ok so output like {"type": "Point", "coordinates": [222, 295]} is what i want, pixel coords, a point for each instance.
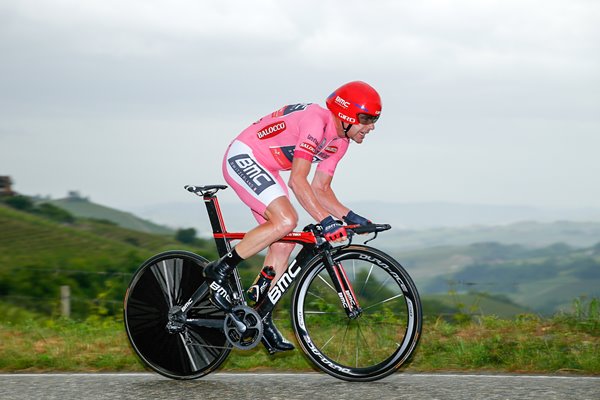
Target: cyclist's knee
{"type": "Point", "coordinates": [286, 223]}
{"type": "Point", "coordinates": [282, 215]}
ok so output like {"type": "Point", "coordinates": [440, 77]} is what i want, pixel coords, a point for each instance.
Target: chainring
{"type": "Point", "coordinates": [243, 327]}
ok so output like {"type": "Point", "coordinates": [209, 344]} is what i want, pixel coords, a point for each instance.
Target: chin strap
{"type": "Point", "coordinates": [346, 129]}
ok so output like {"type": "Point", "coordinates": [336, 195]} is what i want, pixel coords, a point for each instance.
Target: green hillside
{"type": "Point", "coordinates": [543, 279]}
{"type": "Point", "coordinates": [95, 259]}
{"type": "Point", "coordinates": [472, 304]}
{"type": "Point", "coordinates": [83, 208]}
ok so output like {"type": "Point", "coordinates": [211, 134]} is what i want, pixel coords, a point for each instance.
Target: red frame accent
{"type": "Point", "coordinates": [296, 237]}
{"type": "Point", "coordinates": [336, 269]}
{"type": "Point", "coordinates": [218, 209]}
{"type": "Point", "coordinates": [347, 282]}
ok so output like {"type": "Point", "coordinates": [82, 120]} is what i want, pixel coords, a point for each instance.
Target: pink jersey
{"type": "Point", "coordinates": [300, 130]}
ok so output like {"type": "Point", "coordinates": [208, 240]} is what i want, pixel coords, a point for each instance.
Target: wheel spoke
{"type": "Point", "coordinates": [362, 290]}
{"type": "Point", "coordinates": [382, 286]}
{"type": "Point", "coordinates": [142, 316]}
{"type": "Point", "coordinates": [312, 293]}
{"type": "Point", "coordinates": [327, 342]}
{"type": "Point", "coordinates": [341, 313]}
{"type": "Point", "coordinates": [383, 301]}
{"type": "Point", "coordinates": [327, 283]}
{"type": "Point", "coordinates": [343, 340]}
{"type": "Point", "coordinates": [199, 345]}
{"type": "Point", "coordinates": [163, 275]}
{"type": "Point", "coordinates": [191, 358]}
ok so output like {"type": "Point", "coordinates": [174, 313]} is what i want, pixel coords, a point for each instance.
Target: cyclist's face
{"type": "Point", "coordinates": [358, 132]}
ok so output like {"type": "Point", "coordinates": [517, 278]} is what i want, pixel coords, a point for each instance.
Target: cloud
{"type": "Point", "coordinates": [148, 30]}
{"type": "Point", "coordinates": [462, 82]}
{"type": "Point", "coordinates": [515, 58]}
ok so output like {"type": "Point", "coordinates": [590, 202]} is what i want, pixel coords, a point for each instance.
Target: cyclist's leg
{"type": "Point", "coordinates": [265, 192]}
{"type": "Point", "coordinates": [278, 256]}
{"type": "Point", "coordinates": [269, 202]}
{"type": "Point", "coordinates": [281, 219]}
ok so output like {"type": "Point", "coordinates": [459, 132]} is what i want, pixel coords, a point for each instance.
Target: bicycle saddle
{"type": "Point", "coordinates": [204, 189]}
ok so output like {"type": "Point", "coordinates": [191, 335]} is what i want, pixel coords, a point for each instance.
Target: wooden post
{"type": "Point", "coordinates": [65, 301]}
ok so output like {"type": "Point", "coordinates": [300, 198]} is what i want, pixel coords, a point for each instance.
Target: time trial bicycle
{"type": "Point", "coordinates": [356, 312]}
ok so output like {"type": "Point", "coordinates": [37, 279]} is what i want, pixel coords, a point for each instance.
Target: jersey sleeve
{"type": "Point", "coordinates": [311, 132]}
{"type": "Point", "coordinates": [335, 152]}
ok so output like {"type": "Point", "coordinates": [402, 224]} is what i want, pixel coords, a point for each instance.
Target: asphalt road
{"type": "Point", "coordinates": [311, 386]}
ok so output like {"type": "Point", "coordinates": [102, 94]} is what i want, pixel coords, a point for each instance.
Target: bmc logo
{"type": "Point", "coordinates": [347, 118]}
{"type": "Point", "coordinates": [283, 283]}
{"type": "Point", "coordinates": [220, 290]}
{"type": "Point", "coordinates": [341, 102]}
{"type": "Point", "coordinates": [272, 130]}
{"type": "Point", "coordinates": [251, 173]}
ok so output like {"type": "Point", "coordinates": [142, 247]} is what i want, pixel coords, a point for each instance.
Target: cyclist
{"type": "Point", "coordinates": [292, 138]}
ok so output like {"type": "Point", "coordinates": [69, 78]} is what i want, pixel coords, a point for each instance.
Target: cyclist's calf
{"type": "Point", "coordinates": [278, 256]}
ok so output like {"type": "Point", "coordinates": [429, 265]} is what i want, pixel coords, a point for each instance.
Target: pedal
{"type": "Point", "coordinates": [270, 349]}
{"type": "Point", "coordinates": [243, 327]}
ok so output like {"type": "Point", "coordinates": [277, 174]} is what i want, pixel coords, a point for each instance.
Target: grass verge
{"type": "Point", "coordinates": [526, 344]}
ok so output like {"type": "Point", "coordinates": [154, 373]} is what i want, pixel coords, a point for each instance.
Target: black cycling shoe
{"type": "Point", "coordinates": [272, 338]}
{"type": "Point", "coordinates": [216, 273]}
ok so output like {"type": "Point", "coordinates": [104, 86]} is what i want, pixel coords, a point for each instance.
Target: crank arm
{"type": "Point", "coordinates": [205, 323]}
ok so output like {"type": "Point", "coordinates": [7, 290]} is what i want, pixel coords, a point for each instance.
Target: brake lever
{"type": "Point", "coordinates": [375, 233]}
{"type": "Point", "coordinates": [373, 238]}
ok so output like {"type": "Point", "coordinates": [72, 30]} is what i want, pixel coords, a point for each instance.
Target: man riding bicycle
{"type": "Point", "coordinates": [292, 138]}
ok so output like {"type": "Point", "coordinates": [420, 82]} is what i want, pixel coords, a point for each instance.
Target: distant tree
{"type": "Point", "coordinates": [187, 236]}
{"type": "Point", "coordinates": [19, 202]}
{"type": "Point", "coordinates": [55, 213]}
{"type": "Point", "coordinates": [103, 221]}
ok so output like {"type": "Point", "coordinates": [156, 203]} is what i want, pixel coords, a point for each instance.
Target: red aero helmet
{"type": "Point", "coordinates": [354, 101]}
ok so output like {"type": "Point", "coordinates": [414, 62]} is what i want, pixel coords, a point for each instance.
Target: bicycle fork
{"type": "Point", "coordinates": [343, 286]}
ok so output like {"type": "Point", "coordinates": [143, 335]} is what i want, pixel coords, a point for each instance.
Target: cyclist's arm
{"type": "Point", "coordinates": [321, 185]}
{"type": "Point", "coordinates": [303, 190]}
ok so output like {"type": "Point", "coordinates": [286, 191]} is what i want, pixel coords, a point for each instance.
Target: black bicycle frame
{"type": "Point", "coordinates": [312, 247]}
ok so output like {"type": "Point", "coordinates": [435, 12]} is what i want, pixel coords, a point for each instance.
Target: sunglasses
{"type": "Point", "coordinates": [366, 119]}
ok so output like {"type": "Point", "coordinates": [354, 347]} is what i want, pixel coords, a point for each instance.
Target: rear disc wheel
{"type": "Point", "coordinates": [161, 285]}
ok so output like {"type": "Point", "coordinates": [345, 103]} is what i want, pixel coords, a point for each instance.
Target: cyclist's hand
{"type": "Point", "coordinates": [333, 231]}
{"type": "Point", "coordinates": [355, 219]}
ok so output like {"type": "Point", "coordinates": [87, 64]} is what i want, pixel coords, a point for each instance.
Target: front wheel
{"type": "Point", "coordinates": [162, 284]}
{"type": "Point", "coordinates": [385, 334]}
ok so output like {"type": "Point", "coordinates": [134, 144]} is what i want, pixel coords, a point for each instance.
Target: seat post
{"type": "Point", "coordinates": [216, 222]}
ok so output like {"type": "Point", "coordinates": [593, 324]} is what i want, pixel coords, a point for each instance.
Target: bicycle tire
{"type": "Point", "coordinates": [373, 345]}
{"type": "Point", "coordinates": [165, 280]}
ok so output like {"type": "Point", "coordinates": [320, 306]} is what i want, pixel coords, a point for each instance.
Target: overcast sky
{"type": "Point", "coordinates": [126, 101]}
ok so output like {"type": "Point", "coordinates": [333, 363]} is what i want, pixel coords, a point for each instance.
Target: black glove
{"type": "Point", "coordinates": [332, 229]}
{"type": "Point", "coordinates": [355, 219]}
